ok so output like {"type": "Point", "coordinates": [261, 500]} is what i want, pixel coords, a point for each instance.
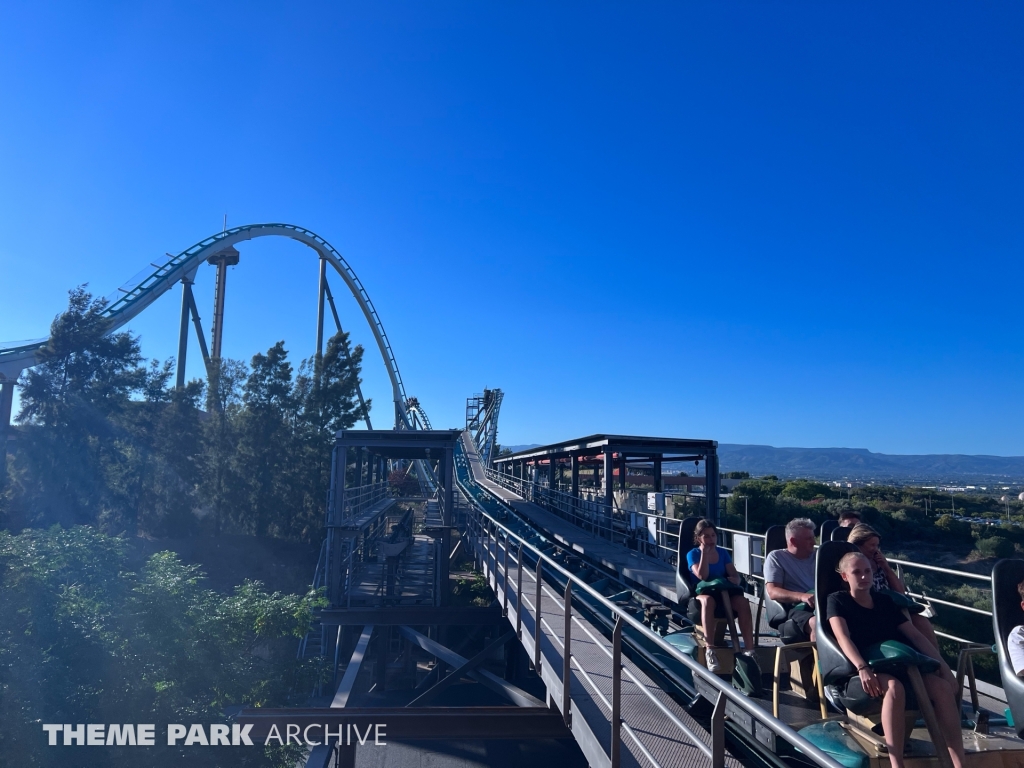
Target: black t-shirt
{"type": "Point", "coordinates": [867, 626]}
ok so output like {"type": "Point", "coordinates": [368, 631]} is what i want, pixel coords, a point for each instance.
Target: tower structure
{"type": "Point", "coordinates": [222, 260]}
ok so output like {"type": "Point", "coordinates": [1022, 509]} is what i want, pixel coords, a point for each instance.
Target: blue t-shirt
{"type": "Point", "coordinates": [715, 571]}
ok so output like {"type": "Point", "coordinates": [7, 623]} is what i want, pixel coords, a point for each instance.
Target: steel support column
{"type": "Point", "coordinates": [574, 469]}
{"type": "Point", "coordinates": [222, 260]}
{"type": "Point", "coordinates": [449, 489]}
{"type": "Point", "coordinates": [657, 475]}
{"type": "Point", "coordinates": [335, 510]}
{"type": "Point", "coordinates": [179, 381]}
{"type": "Point", "coordinates": [609, 482]}
{"type": "Point", "coordinates": [443, 582]}
{"type": "Point", "coordinates": [622, 472]}
{"type": "Point", "coordinates": [320, 308]}
{"type": "Point", "coordinates": [6, 404]}
{"type": "Point", "coordinates": [712, 487]}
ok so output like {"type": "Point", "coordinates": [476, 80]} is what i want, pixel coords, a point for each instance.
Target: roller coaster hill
{"type": "Point", "coordinates": [583, 631]}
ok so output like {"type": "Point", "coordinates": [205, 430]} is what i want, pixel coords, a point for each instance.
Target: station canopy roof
{"type": "Point", "coordinates": [628, 446]}
{"type": "Point", "coordinates": [400, 444]}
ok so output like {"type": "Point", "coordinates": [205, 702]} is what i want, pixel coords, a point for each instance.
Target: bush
{"type": "Point", "coordinates": [948, 525]}
{"type": "Point", "coordinates": [995, 546]}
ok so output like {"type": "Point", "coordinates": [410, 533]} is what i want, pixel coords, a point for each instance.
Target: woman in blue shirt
{"type": "Point", "coordinates": [708, 561]}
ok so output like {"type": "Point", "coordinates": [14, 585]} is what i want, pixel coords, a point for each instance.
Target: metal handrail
{"type": "Point", "coordinates": [589, 515]}
{"type": "Point", "coordinates": [724, 690]}
{"type": "Point", "coordinates": [362, 497]}
{"type": "Point", "coordinates": [905, 564]}
{"type": "Point", "coordinates": [948, 571]}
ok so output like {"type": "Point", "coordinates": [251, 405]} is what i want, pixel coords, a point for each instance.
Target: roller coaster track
{"type": "Point", "coordinates": [150, 285]}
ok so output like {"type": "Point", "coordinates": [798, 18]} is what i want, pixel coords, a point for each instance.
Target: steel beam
{"type": "Point", "coordinates": [194, 310]}
{"type": "Point", "coordinates": [223, 259]}
{"type": "Point", "coordinates": [179, 382]}
{"type": "Point", "coordinates": [609, 480]}
{"type": "Point", "coordinates": [459, 672]}
{"type": "Point", "coordinates": [348, 680]}
{"type": "Point", "coordinates": [444, 723]}
{"type": "Point", "coordinates": [452, 659]}
{"type": "Point", "coordinates": [6, 404]}
{"type": "Point", "coordinates": [712, 486]}
{"type": "Point", "coordinates": [348, 357]}
{"type": "Point", "coordinates": [320, 309]}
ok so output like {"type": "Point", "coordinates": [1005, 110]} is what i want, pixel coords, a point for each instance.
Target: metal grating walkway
{"type": "Point", "coordinates": [650, 731]}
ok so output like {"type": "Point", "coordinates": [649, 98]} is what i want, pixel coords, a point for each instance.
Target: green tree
{"type": "Point", "coordinates": [84, 640]}
{"type": "Point", "coordinates": [266, 443]}
{"type": "Point", "coordinates": [78, 402]}
{"type": "Point", "coordinates": [326, 394]}
{"type": "Point", "coordinates": [220, 476]}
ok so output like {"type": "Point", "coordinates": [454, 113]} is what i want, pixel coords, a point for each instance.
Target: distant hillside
{"type": "Point", "coordinates": [862, 464]}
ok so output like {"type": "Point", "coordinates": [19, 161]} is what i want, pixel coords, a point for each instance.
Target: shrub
{"type": "Point", "coordinates": [995, 546]}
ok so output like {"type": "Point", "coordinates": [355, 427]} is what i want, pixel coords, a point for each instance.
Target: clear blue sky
{"type": "Point", "coordinates": [786, 223]}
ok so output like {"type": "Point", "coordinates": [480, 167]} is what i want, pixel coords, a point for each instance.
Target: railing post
{"type": "Point", "coordinates": [493, 549]}
{"type": "Point", "coordinates": [567, 656]}
{"type": "Point", "coordinates": [616, 743]}
{"type": "Point", "coordinates": [536, 625]}
{"type": "Point", "coordinates": [504, 606]}
{"type": "Point", "coordinates": [519, 594]}
{"type": "Point", "coordinates": [718, 732]}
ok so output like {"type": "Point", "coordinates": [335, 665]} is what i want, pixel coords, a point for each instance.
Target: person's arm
{"type": "Point", "coordinates": [1015, 650]}
{"type": "Point", "coordinates": [700, 569]}
{"type": "Point", "coordinates": [895, 584]}
{"type": "Point", "coordinates": [731, 573]}
{"type": "Point", "coordinates": [868, 679]}
{"type": "Point", "coordinates": [782, 595]}
{"type": "Point", "coordinates": [913, 634]}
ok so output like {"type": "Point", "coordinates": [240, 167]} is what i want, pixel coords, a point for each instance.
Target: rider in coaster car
{"type": "Point", "coordinates": [707, 562]}
{"type": "Point", "coordinates": [789, 575]}
{"type": "Point", "coordinates": [849, 518]}
{"type": "Point", "coordinates": [1015, 640]}
{"type": "Point", "coordinates": [884, 579]}
{"type": "Point", "coordinates": [862, 618]}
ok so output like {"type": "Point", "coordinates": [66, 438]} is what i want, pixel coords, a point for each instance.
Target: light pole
{"type": "Point", "coordinates": [746, 514]}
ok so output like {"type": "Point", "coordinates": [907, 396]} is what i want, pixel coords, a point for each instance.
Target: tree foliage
{"type": "Point", "coordinates": [106, 440]}
{"type": "Point", "coordinates": [83, 640]}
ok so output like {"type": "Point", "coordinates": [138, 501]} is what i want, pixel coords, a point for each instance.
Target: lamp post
{"type": "Point", "coordinates": [746, 515]}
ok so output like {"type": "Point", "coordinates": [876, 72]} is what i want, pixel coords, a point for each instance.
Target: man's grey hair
{"type": "Point", "coordinates": [795, 525]}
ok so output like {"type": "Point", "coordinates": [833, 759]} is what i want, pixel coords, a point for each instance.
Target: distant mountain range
{"type": "Point", "coordinates": [862, 464]}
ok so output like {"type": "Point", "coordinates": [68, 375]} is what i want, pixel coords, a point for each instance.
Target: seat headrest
{"type": "Point", "coordinates": [841, 534]}
{"type": "Point", "coordinates": [826, 580]}
{"type": "Point", "coordinates": [775, 538]}
{"type": "Point", "coordinates": [826, 529]}
{"type": "Point", "coordinates": [686, 529]}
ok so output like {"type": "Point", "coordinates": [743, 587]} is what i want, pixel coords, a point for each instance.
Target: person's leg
{"type": "Point", "coordinates": [947, 715]}
{"type": "Point", "coordinates": [741, 608]}
{"type": "Point", "coordinates": [810, 629]}
{"type": "Point", "coordinates": [893, 710]}
{"type": "Point", "coordinates": [925, 628]}
{"type": "Point", "coordinates": [922, 625]}
{"type": "Point", "coordinates": [707, 617]}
